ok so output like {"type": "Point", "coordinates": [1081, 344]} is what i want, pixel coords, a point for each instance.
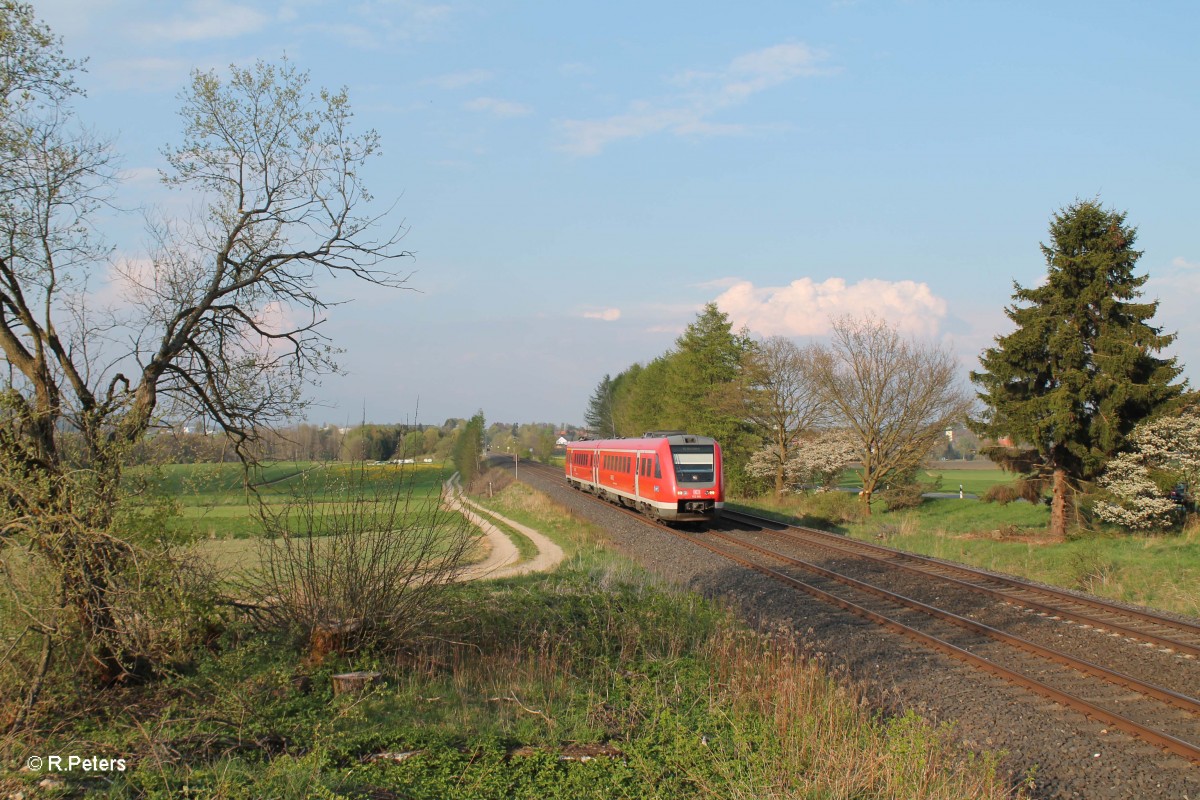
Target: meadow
{"type": "Point", "coordinates": [1156, 570]}
{"type": "Point", "coordinates": [224, 517]}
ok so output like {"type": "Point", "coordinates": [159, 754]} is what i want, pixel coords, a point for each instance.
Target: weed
{"type": "Point", "coordinates": [1092, 571]}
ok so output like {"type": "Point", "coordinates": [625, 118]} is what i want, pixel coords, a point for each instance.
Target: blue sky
{"type": "Point", "coordinates": [578, 179]}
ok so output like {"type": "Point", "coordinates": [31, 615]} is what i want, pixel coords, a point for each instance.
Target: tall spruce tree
{"type": "Point", "coordinates": [600, 416]}
{"type": "Point", "coordinates": [1079, 372]}
{"type": "Point", "coordinates": [703, 385]}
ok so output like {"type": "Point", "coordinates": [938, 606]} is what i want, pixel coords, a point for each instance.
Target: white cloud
{"type": "Point", "coordinates": [719, 283]}
{"type": "Point", "coordinates": [457, 80]}
{"type": "Point", "coordinates": [501, 108]}
{"type": "Point", "coordinates": [147, 74]}
{"type": "Point", "coordinates": [1183, 263]}
{"type": "Point", "coordinates": [377, 24]}
{"type": "Point", "coordinates": [403, 20]}
{"type": "Point", "coordinates": [354, 36]}
{"type": "Point", "coordinates": [608, 314]}
{"type": "Point", "coordinates": [205, 20]}
{"type": "Point", "coordinates": [805, 307]}
{"type": "Point", "coordinates": [700, 95]}
{"type": "Point", "coordinates": [141, 176]}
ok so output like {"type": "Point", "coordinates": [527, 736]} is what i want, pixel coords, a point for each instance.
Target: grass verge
{"type": "Point", "coordinates": [1158, 571]}
{"type": "Point", "coordinates": [595, 680]}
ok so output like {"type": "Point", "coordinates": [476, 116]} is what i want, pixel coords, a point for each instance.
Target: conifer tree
{"type": "Point", "coordinates": [600, 415]}
{"type": "Point", "coordinates": [1080, 370]}
{"type": "Point", "coordinates": [703, 387]}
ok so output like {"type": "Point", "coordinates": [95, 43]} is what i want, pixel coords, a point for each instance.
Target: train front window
{"type": "Point", "coordinates": [693, 463]}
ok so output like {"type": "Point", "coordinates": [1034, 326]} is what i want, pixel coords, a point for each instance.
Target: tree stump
{"type": "Point", "coordinates": [354, 682]}
{"type": "Point", "coordinates": [330, 637]}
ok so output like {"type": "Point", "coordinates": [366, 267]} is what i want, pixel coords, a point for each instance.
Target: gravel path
{"type": "Point", "coordinates": [1059, 752]}
{"type": "Point", "coordinates": [503, 559]}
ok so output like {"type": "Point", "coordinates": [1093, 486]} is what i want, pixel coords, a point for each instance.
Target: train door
{"type": "Point", "coordinates": [643, 473]}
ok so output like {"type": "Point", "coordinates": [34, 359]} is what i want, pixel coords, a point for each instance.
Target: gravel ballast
{"type": "Point", "coordinates": [1060, 752]}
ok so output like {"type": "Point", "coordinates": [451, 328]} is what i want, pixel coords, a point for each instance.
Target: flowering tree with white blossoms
{"type": "Point", "coordinates": [816, 459]}
{"type": "Point", "coordinates": [1140, 504]}
{"type": "Point", "coordinates": [1170, 443]}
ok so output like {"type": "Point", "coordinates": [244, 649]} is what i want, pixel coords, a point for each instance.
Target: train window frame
{"type": "Point", "coordinates": [684, 460]}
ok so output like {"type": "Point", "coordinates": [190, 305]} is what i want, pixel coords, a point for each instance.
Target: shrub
{"type": "Point", "coordinates": [836, 507]}
{"type": "Point", "coordinates": [350, 569]}
{"type": "Point", "coordinates": [1002, 493]}
{"type": "Point", "coordinates": [902, 496]}
{"type": "Point", "coordinates": [907, 491]}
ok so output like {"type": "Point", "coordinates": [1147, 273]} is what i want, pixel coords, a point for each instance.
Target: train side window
{"type": "Point", "coordinates": [657, 468]}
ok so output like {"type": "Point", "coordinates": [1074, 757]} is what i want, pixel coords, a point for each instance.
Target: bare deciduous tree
{"type": "Point", "coordinates": [896, 395]}
{"type": "Point", "coordinates": [223, 321]}
{"type": "Point", "coordinates": [782, 401]}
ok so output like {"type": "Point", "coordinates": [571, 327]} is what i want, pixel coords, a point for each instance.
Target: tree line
{"type": "Point", "coordinates": [870, 396]}
{"type": "Point", "coordinates": [1079, 388]}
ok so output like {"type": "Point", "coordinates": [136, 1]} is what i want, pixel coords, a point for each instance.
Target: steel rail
{"type": "Point", "coordinates": [1163, 740]}
{"type": "Point", "coordinates": [896, 558]}
{"type": "Point", "coordinates": [1176, 699]}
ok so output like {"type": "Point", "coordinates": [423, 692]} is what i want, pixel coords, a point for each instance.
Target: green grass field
{"type": "Point", "coordinates": [1160, 571]}
{"type": "Point", "coordinates": [215, 503]}
{"type": "Point", "coordinates": [221, 516]}
{"type": "Point", "coordinates": [973, 480]}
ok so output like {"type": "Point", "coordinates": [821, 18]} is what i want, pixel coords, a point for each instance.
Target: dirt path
{"type": "Point", "coordinates": [503, 559]}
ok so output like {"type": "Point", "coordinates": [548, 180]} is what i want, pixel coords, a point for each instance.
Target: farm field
{"type": "Point", "coordinates": [214, 503]}
{"type": "Point", "coordinates": [220, 515]}
{"type": "Point", "coordinates": [973, 479]}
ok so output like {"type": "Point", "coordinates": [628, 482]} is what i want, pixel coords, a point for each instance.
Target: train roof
{"type": "Point", "coordinates": [648, 441]}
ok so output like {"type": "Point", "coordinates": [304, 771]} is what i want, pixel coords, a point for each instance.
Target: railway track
{"type": "Point", "coordinates": [943, 606]}
{"type": "Point", "coordinates": [1165, 632]}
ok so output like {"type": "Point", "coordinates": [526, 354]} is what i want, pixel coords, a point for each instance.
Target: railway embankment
{"type": "Point", "coordinates": [1053, 751]}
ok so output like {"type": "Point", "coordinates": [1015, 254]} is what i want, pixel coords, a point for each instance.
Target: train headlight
{"type": "Point", "coordinates": [681, 493]}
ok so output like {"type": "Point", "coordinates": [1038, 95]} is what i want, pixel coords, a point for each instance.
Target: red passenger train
{"type": "Point", "coordinates": [670, 475]}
